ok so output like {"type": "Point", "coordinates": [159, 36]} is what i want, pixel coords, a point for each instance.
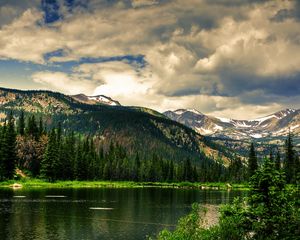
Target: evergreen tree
{"type": "Point", "coordinates": [278, 161]}
{"type": "Point", "coordinates": [171, 171]}
{"type": "Point", "coordinates": [271, 157]}
{"type": "Point", "coordinates": [187, 172]}
{"type": "Point", "coordinates": [49, 168]}
{"type": "Point", "coordinates": [270, 205]}
{"type": "Point", "coordinates": [2, 170]}
{"type": "Point", "coordinates": [41, 129]}
{"type": "Point", "coordinates": [9, 148]}
{"type": "Point", "coordinates": [21, 124]}
{"type": "Point", "coordinates": [137, 166]}
{"type": "Point", "coordinates": [252, 161]}
{"type": "Point", "coordinates": [32, 129]}
{"type": "Point", "coordinates": [289, 164]}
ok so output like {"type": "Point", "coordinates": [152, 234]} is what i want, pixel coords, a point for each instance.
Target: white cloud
{"type": "Point", "coordinates": [190, 50]}
{"type": "Point", "coordinates": [24, 39]}
{"type": "Point", "coordinates": [59, 81]}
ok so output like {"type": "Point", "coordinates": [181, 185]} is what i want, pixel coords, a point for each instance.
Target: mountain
{"type": "Point", "coordinates": [98, 99]}
{"type": "Point", "coordinates": [138, 129]}
{"type": "Point", "coordinates": [274, 125]}
{"type": "Point", "coordinates": [270, 129]}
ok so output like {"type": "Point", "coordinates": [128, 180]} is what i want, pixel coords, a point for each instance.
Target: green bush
{"type": "Point", "coordinates": [271, 212]}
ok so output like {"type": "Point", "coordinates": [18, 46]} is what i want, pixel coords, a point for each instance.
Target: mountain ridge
{"type": "Point", "coordinates": [274, 125]}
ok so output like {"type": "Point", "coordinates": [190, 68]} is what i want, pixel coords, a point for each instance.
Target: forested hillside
{"type": "Point", "coordinates": [124, 135]}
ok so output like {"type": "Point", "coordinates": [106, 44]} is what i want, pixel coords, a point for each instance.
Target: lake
{"type": "Point", "coordinates": [98, 213]}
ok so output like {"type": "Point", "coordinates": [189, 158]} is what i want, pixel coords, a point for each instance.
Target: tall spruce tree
{"type": "Point", "coordinates": [9, 148]}
{"type": "Point", "coordinates": [32, 129]}
{"type": "Point", "coordinates": [21, 124]}
{"type": "Point", "coordinates": [49, 163]}
{"type": "Point", "coordinates": [289, 163]}
{"type": "Point", "coordinates": [252, 161]}
{"type": "Point", "coordinates": [1, 155]}
{"type": "Point", "coordinates": [41, 129]}
{"type": "Point", "coordinates": [278, 161]}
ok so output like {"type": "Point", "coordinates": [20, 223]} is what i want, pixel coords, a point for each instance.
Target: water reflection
{"type": "Point", "coordinates": [97, 213]}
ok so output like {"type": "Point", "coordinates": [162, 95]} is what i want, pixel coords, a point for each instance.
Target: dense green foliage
{"type": "Point", "coordinates": [270, 212]}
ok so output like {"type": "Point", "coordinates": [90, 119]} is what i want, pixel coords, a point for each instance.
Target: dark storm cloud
{"type": "Point", "coordinates": [254, 89]}
{"type": "Point", "coordinates": [186, 92]}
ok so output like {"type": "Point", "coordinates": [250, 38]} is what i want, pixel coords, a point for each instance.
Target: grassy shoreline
{"type": "Point", "coordinates": [38, 183]}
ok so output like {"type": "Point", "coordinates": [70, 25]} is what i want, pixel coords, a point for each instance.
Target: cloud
{"type": "Point", "coordinates": [116, 79]}
{"type": "Point", "coordinates": [62, 82]}
{"type": "Point", "coordinates": [216, 57]}
{"type": "Point", "coordinates": [25, 39]}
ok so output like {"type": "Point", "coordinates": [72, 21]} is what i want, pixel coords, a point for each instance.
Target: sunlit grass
{"type": "Point", "coordinates": [39, 183]}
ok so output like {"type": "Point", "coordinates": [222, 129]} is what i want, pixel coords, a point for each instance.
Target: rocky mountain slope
{"type": "Point", "coordinates": [138, 129]}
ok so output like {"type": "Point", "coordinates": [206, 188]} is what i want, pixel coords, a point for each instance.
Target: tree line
{"type": "Point", "coordinates": [55, 154]}
{"type": "Point", "coordinates": [289, 163]}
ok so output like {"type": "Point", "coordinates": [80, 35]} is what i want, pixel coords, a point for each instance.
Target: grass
{"type": "Point", "coordinates": [39, 183]}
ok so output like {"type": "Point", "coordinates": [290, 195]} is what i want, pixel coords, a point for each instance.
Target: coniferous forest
{"type": "Point", "coordinates": [54, 154]}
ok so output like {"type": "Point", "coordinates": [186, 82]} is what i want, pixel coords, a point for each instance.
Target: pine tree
{"type": "Point", "coordinates": [289, 164]}
{"type": "Point", "coordinates": [188, 171]}
{"type": "Point", "coordinates": [21, 124]}
{"type": "Point", "coordinates": [9, 148]}
{"type": "Point", "coordinates": [41, 127]}
{"type": "Point", "coordinates": [171, 171]}
{"type": "Point", "coordinates": [49, 163]}
{"type": "Point", "coordinates": [2, 169]}
{"type": "Point", "coordinates": [278, 161]}
{"type": "Point", "coordinates": [136, 168]}
{"type": "Point", "coordinates": [271, 157]}
{"type": "Point", "coordinates": [32, 129]}
{"type": "Point", "coordinates": [252, 161]}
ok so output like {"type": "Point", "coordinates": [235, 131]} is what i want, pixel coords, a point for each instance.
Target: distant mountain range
{"type": "Point", "coordinates": [271, 129]}
{"type": "Point", "coordinates": [274, 125]}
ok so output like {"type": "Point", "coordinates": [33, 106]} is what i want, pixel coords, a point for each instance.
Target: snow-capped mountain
{"type": "Point", "coordinates": [99, 99]}
{"type": "Point", "coordinates": [274, 125]}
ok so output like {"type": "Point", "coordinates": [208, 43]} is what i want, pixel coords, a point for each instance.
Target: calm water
{"type": "Point", "coordinates": [97, 213]}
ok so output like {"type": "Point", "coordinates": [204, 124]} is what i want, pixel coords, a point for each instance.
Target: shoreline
{"type": "Point", "coordinates": [39, 183]}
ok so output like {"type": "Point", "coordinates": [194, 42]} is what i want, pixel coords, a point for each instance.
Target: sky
{"type": "Point", "coordinates": [227, 58]}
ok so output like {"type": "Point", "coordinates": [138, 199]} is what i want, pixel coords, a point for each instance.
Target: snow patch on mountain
{"type": "Point", "coordinates": [256, 135]}
{"type": "Point", "coordinates": [242, 124]}
{"type": "Point", "coordinates": [181, 111]}
{"type": "Point", "coordinates": [99, 99]}
{"type": "Point", "coordinates": [103, 99]}
{"type": "Point", "coordinates": [217, 127]}
{"type": "Point", "coordinates": [225, 120]}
